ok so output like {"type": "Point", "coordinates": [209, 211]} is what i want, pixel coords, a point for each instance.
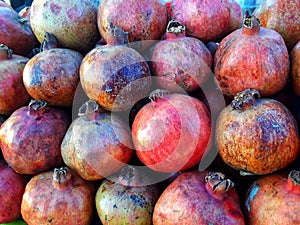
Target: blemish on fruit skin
{"type": "Point", "coordinates": [55, 9]}
{"type": "Point", "coordinates": [252, 194]}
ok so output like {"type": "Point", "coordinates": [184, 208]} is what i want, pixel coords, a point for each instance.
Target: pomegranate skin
{"type": "Point", "coordinates": [295, 69]}
{"type": "Point", "coordinates": [255, 58]}
{"type": "Point", "coordinates": [31, 139]}
{"type": "Point", "coordinates": [207, 20]}
{"type": "Point", "coordinates": [68, 200]}
{"type": "Point", "coordinates": [53, 76]}
{"type": "Point", "coordinates": [12, 187]}
{"type": "Point", "coordinates": [188, 200]}
{"type": "Point", "coordinates": [282, 16]}
{"type": "Point", "coordinates": [172, 133]}
{"type": "Point", "coordinates": [273, 199]}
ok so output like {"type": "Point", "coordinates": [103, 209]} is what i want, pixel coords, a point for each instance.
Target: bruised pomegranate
{"type": "Point", "coordinates": [73, 23]}
{"type": "Point", "coordinates": [258, 136]}
{"type": "Point", "coordinates": [274, 199]}
{"type": "Point", "coordinates": [144, 20]}
{"type": "Point", "coordinates": [58, 197]}
{"type": "Point", "coordinates": [172, 132]}
{"type": "Point", "coordinates": [31, 137]}
{"type": "Point", "coordinates": [136, 203]}
{"type": "Point", "coordinates": [199, 198]}
{"type": "Point", "coordinates": [114, 75]}
{"type": "Point", "coordinates": [282, 16]}
{"type": "Point", "coordinates": [53, 74]}
{"type": "Point", "coordinates": [207, 20]}
{"type": "Point", "coordinates": [97, 143]}
{"type": "Point", "coordinates": [295, 69]}
{"type": "Point", "coordinates": [12, 187]}
{"type": "Point", "coordinates": [181, 62]}
{"type": "Point", "coordinates": [252, 57]}
{"type": "Point", "coordinates": [12, 91]}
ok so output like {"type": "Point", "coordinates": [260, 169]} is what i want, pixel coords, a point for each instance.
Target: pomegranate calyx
{"type": "Point", "coordinates": [294, 176]}
{"type": "Point", "coordinates": [216, 182]}
{"type": "Point", "coordinates": [158, 94]}
{"type": "Point", "coordinates": [243, 98]}
{"type": "Point", "coordinates": [88, 107]}
{"type": "Point", "coordinates": [61, 178]}
{"type": "Point", "coordinates": [251, 25]}
{"type": "Point", "coordinates": [174, 26]}
{"type": "Point", "coordinates": [49, 42]}
{"type": "Point", "coordinates": [118, 35]}
{"type": "Point", "coordinates": [23, 20]}
{"type": "Point", "coordinates": [127, 174]}
{"type": "Point", "coordinates": [5, 52]}
{"type": "Point", "coordinates": [37, 104]}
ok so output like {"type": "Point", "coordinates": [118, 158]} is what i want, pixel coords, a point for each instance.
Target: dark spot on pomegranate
{"type": "Point", "coordinates": [55, 9]}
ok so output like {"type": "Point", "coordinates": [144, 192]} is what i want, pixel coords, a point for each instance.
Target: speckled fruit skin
{"type": "Point", "coordinates": [16, 32]}
{"type": "Point", "coordinates": [12, 187]}
{"type": "Point", "coordinates": [272, 200]}
{"type": "Point", "coordinates": [144, 20]}
{"type": "Point", "coordinates": [116, 77]}
{"type": "Point", "coordinates": [53, 76]}
{"type": "Point", "coordinates": [260, 139]}
{"type": "Point", "coordinates": [13, 94]}
{"type": "Point", "coordinates": [172, 133]}
{"type": "Point", "coordinates": [259, 60]}
{"type": "Point", "coordinates": [30, 141]}
{"type": "Point", "coordinates": [282, 16]}
{"type": "Point", "coordinates": [73, 23]}
{"type": "Point", "coordinates": [187, 201]}
{"type": "Point", "coordinates": [44, 204]}
{"type": "Point", "coordinates": [295, 69]}
{"type": "Point", "coordinates": [207, 20]}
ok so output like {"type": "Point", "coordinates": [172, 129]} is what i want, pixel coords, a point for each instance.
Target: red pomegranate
{"type": "Point", "coordinates": [58, 197]}
{"type": "Point", "coordinates": [13, 94]}
{"type": "Point", "coordinates": [207, 20]}
{"type": "Point", "coordinates": [199, 198]}
{"type": "Point", "coordinates": [53, 74]}
{"type": "Point", "coordinates": [258, 136]}
{"type": "Point", "coordinates": [180, 62]}
{"type": "Point", "coordinates": [295, 69]}
{"type": "Point", "coordinates": [172, 132]}
{"type": "Point", "coordinates": [96, 136]}
{"type": "Point", "coordinates": [12, 187]}
{"type": "Point", "coordinates": [136, 203]}
{"type": "Point", "coordinates": [282, 16]}
{"type": "Point", "coordinates": [114, 75]}
{"type": "Point", "coordinates": [274, 199]}
{"type": "Point", "coordinates": [16, 32]}
{"type": "Point", "coordinates": [252, 57]}
{"type": "Point", "coordinates": [144, 20]}
{"type": "Point", "coordinates": [73, 23]}
{"type": "Point", "coordinates": [31, 137]}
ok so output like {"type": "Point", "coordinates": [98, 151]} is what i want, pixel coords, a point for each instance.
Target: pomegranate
{"type": "Point", "coordinates": [96, 136]}
{"type": "Point", "coordinates": [282, 16]}
{"type": "Point", "coordinates": [133, 206]}
{"type": "Point", "coordinates": [4, 4]}
{"type": "Point", "coordinates": [12, 91]}
{"type": "Point", "coordinates": [199, 198]}
{"type": "Point", "coordinates": [73, 23]}
{"type": "Point", "coordinates": [53, 74]}
{"type": "Point", "coordinates": [181, 62]}
{"type": "Point", "coordinates": [58, 197]}
{"type": "Point", "coordinates": [252, 57]}
{"type": "Point", "coordinates": [172, 132]}
{"type": "Point", "coordinates": [12, 187]}
{"type": "Point", "coordinates": [207, 20]}
{"type": "Point", "coordinates": [295, 69]}
{"type": "Point", "coordinates": [31, 137]}
{"type": "Point", "coordinates": [258, 136]}
{"type": "Point", "coordinates": [114, 75]}
{"type": "Point", "coordinates": [274, 199]}
{"type": "Point", "coordinates": [144, 20]}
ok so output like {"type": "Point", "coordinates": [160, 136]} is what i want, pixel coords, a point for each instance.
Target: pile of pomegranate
{"type": "Point", "coordinates": [150, 112]}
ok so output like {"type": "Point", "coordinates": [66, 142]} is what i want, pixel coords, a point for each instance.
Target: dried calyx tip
{"type": "Point", "coordinates": [174, 26]}
{"type": "Point", "coordinates": [217, 182]}
{"type": "Point", "coordinates": [37, 104]}
{"type": "Point", "coordinates": [157, 94]}
{"type": "Point", "coordinates": [245, 97]}
{"type": "Point", "coordinates": [60, 174]}
{"type": "Point", "coordinates": [294, 175]}
{"type": "Point", "coordinates": [88, 108]}
{"type": "Point", "coordinates": [8, 52]}
{"type": "Point", "coordinates": [250, 20]}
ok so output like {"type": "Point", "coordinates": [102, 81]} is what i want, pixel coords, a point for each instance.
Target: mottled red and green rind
{"type": "Point", "coordinates": [270, 200]}
{"type": "Point", "coordinates": [44, 204]}
{"type": "Point", "coordinates": [261, 139]}
{"type": "Point", "coordinates": [282, 16]}
{"type": "Point", "coordinates": [96, 148]}
{"type": "Point", "coordinates": [295, 69]}
{"type": "Point", "coordinates": [118, 204]}
{"type": "Point", "coordinates": [260, 62]}
{"type": "Point", "coordinates": [53, 76]}
{"type": "Point", "coordinates": [187, 201]}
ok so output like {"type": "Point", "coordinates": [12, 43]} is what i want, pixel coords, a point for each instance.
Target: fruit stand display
{"type": "Point", "coordinates": [150, 112]}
